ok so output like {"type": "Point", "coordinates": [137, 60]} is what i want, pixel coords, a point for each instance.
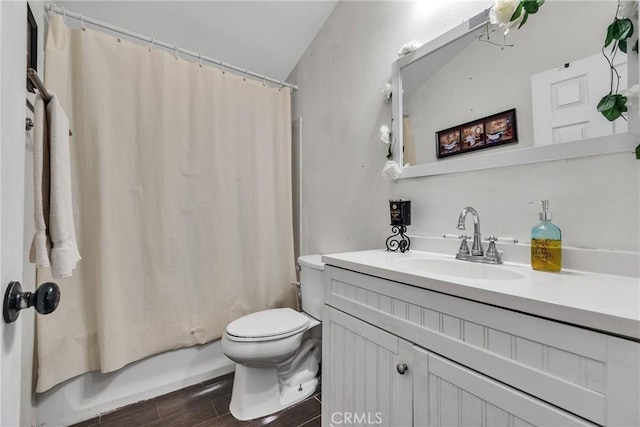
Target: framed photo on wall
{"type": "Point", "coordinates": [32, 45]}
{"type": "Point", "coordinates": [490, 131]}
{"type": "Point", "coordinates": [448, 142]}
{"type": "Point", "coordinates": [501, 128]}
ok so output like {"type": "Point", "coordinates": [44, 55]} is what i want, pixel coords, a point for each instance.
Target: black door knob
{"type": "Point", "coordinates": [46, 298]}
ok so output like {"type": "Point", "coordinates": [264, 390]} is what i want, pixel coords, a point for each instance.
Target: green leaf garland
{"type": "Point", "coordinates": [613, 105]}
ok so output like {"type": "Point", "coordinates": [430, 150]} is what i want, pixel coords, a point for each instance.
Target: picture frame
{"type": "Point", "coordinates": [32, 45]}
{"type": "Point", "coordinates": [491, 131]}
{"type": "Point", "coordinates": [448, 142]}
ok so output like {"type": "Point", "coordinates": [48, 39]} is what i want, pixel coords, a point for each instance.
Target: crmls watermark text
{"type": "Point", "coordinates": [354, 418]}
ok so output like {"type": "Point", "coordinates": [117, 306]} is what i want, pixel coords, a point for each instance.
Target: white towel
{"type": "Point", "coordinates": [54, 243]}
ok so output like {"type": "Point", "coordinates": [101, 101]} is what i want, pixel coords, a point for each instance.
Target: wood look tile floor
{"type": "Point", "coordinates": [203, 405]}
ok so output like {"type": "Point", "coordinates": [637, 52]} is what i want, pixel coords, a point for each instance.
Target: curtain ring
{"type": "Point", "coordinates": [175, 51]}
{"type": "Point", "coordinates": [222, 65]}
{"type": "Point", "coordinates": [281, 85]}
{"type": "Point", "coordinates": [246, 70]}
{"type": "Point", "coordinates": [153, 40]}
{"type": "Point", "coordinates": [82, 23]}
{"type": "Point", "coordinates": [64, 15]}
{"type": "Point", "coordinates": [264, 80]}
{"type": "Point", "coordinates": [200, 60]}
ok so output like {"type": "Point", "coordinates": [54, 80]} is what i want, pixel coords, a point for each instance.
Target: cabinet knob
{"type": "Point", "coordinates": [402, 368]}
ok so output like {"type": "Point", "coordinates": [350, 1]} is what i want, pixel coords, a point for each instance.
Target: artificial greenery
{"type": "Point", "coordinates": [526, 8]}
{"type": "Point", "coordinates": [613, 105]}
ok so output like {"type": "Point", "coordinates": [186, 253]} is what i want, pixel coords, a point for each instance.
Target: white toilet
{"type": "Point", "coordinates": [277, 352]}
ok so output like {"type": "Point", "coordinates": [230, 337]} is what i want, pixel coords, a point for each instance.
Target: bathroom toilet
{"type": "Point", "coordinates": [277, 352]}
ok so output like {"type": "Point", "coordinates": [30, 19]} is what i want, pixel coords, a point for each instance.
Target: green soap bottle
{"type": "Point", "coordinates": [546, 243]}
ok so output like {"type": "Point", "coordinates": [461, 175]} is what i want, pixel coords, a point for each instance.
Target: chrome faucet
{"type": "Point", "coordinates": [477, 253]}
{"type": "Point", "coordinates": [476, 248]}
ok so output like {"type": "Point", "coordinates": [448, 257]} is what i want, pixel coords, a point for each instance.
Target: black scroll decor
{"type": "Point", "coordinates": [398, 240]}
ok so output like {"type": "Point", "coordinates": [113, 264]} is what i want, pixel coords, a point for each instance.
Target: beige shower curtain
{"type": "Point", "coordinates": [182, 202]}
{"type": "Point", "coordinates": [409, 154]}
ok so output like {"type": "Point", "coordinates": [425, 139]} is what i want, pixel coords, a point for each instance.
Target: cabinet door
{"type": "Point", "coordinates": [361, 384]}
{"type": "Point", "coordinates": [448, 394]}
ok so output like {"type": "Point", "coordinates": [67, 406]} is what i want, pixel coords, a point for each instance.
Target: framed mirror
{"type": "Point", "coordinates": [551, 72]}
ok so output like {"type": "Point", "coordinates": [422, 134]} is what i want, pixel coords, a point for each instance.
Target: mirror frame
{"type": "Point", "coordinates": [625, 142]}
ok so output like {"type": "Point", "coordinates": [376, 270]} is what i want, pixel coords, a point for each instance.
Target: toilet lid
{"type": "Point", "coordinates": [268, 323]}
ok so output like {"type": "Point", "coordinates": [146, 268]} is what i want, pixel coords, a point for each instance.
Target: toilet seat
{"type": "Point", "coordinates": [267, 325]}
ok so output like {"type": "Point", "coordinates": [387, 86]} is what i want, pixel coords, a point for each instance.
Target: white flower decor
{"type": "Point", "coordinates": [628, 9]}
{"type": "Point", "coordinates": [633, 96]}
{"type": "Point", "coordinates": [408, 48]}
{"type": "Point", "coordinates": [386, 137]}
{"type": "Point", "coordinates": [385, 134]}
{"type": "Point", "coordinates": [387, 91]}
{"type": "Point", "coordinates": [507, 13]}
{"type": "Point", "coordinates": [501, 14]}
{"type": "Point", "coordinates": [391, 170]}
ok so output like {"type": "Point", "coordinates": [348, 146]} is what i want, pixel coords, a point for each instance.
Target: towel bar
{"type": "Point", "coordinates": [35, 79]}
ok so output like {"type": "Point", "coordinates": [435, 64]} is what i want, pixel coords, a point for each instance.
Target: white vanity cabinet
{"type": "Point", "coordinates": [448, 394]}
{"type": "Point", "coordinates": [468, 363]}
{"type": "Point", "coordinates": [361, 384]}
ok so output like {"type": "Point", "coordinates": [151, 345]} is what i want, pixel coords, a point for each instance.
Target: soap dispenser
{"type": "Point", "coordinates": [546, 243]}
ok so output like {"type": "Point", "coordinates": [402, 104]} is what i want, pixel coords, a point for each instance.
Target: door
{"type": "Point", "coordinates": [448, 394]}
{"type": "Point", "coordinates": [564, 101]}
{"type": "Point", "coordinates": [15, 390]}
{"type": "Point", "coordinates": [361, 380]}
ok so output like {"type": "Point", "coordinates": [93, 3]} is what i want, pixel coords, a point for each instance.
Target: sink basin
{"type": "Point", "coordinates": [457, 268]}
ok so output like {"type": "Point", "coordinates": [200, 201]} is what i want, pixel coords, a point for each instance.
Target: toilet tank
{"type": "Point", "coordinates": [312, 284]}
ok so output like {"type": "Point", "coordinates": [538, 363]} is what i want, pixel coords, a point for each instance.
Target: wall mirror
{"type": "Point", "coordinates": [552, 72]}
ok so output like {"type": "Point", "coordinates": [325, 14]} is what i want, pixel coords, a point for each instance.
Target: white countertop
{"type": "Point", "coordinates": [603, 302]}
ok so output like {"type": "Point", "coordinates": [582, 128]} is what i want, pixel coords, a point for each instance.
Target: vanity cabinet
{"type": "Point", "coordinates": [360, 370]}
{"type": "Point", "coordinates": [468, 363]}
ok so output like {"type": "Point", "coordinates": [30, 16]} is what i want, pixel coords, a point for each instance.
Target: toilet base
{"type": "Point", "coordinates": [257, 392]}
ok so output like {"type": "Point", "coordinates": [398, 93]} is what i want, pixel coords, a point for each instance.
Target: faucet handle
{"type": "Point", "coordinates": [464, 248]}
{"type": "Point", "coordinates": [492, 239]}
{"type": "Point", "coordinates": [456, 236]}
{"type": "Point", "coordinates": [492, 252]}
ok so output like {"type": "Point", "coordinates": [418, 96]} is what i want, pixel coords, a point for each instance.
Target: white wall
{"type": "Point", "coordinates": [14, 406]}
{"type": "Point", "coordinates": [595, 200]}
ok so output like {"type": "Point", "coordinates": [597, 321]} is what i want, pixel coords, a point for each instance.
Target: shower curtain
{"type": "Point", "coordinates": [182, 202]}
{"type": "Point", "coordinates": [409, 154]}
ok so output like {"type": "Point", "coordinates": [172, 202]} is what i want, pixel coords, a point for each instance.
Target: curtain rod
{"type": "Point", "coordinates": [243, 71]}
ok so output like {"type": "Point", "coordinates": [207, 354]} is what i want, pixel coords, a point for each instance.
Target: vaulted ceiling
{"type": "Point", "coordinates": [267, 37]}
